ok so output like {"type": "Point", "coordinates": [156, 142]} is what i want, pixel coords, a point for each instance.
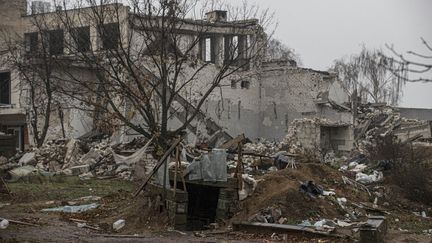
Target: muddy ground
{"type": "Point", "coordinates": [116, 203]}
{"type": "Point", "coordinates": [144, 224]}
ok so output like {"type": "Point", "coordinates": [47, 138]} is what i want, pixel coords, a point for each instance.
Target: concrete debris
{"type": "Point", "coordinates": [261, 147]}
{"type": "Point", "coordinates": [28, 159]}
{"type": "Point", "coordinates": [73, 152]}
{"type": "Point", "coordinates": [21, 172]}
{"type": "Point", "coordinates": [72, 209]}
{"type": "Point", "coordinates": [4, 224]}
{"type": "Point", "coordinates": [379, 122]}
{"type": "Point", "coordinates": [324, 225]}
{"type": "Point", "coordinates": [119, 224]}
{"type": "Point", "coordinates": [248, 187]}
{"type": "Point", "coordinates": [342, 223]}
{"type": "Point", "coordinates": [86, 176]}
{"type": "Point", "coordinates": [268, 215]}
{"type": "Point", "coordinates": [376, 176]}
{"type": "Point", "coordinates": [80, 169]}
{"type": "Point", "coordinates": [3, 160]}
{"type": "Point", "coordinates": [78, 158]}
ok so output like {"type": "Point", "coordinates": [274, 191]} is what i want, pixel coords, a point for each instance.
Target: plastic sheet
{"type": "Point", "coordinates": [376, 176]}
{"type": "Point", "coordinates": [194, 170]}
{"type": "Point", "coordinates": [209, 167]}
{"type": "Point", "coordinates": [134, 158]}
{"type": "Point", "coordinates": [219, 165]}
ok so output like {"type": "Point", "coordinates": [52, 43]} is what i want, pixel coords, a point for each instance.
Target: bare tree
{"type": "Point", "coordinates": [151, 61]}
{"type": "Point", "coordinates": [348, 70]}
{"type": "Point", "coordinates": [367, 75]}
{"type": "Point", "coordinates": [412, 66]}
{"type": "Point", "coordinates": [278, 50]}
{"type": "Point", "coordinates": [33, 57]}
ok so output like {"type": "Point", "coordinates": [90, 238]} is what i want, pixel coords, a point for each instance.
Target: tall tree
{"type": "Point", "coordinates": [368, 75]}
{"type": "Point", "coordinates": [278, 50]}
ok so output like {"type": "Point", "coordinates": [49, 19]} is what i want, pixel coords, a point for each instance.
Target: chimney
{"type": "Point", "coordinates": [38, 7]}
{"type": "Point", "coordinates": [217, 16]}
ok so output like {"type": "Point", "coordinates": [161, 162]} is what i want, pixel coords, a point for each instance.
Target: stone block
{"type": "Point", "coordinates": [80, 169]}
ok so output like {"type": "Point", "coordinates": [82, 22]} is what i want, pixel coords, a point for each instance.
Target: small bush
{"type": "Point", "coordinates": [415, 180]}
{"type": "Point", "coordinates": [411, 167]}
{"type": "Point", "coordinates": [388, 148]}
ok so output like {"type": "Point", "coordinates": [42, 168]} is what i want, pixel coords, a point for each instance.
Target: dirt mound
{"type": "Point", "coordinates": [281, 189]}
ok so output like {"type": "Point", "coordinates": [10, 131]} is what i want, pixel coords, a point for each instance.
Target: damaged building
{"type": "Point", "coordinates": [264, 105]}
{"type": "Point", "coordinates": [272, 145]}
{"type": "Point", "coordinates": [259, 101]}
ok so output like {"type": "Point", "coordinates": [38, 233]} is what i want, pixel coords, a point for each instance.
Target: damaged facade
{"type": "Point", "coordinates": [260, 101]}
{"type": "Point", "coordinates": [13, 120]}
{"type": "Point", "coordinates": [264, 105]}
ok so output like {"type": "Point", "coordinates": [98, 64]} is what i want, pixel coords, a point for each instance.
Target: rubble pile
{"type": "Point", "coordinates": [379, 122]}
{"type": "Point", "coordinates": [51, 156]}
{"type": "Point", "coordinates": [262, 147]}
{"type": "Point", "coordinates": [291, 142]}
{"type": "Point", "coordinates": [270, 214]}
{"type": "Point", "coordinates": [75, 157]}
{"type": "Point", "coordinates": [358, 171]}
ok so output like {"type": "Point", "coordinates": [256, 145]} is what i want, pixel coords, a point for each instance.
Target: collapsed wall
{"type": "Point", "coordinates": [263, 103]}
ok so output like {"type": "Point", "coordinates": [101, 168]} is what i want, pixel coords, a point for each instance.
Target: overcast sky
{"type": "Point", "coordinates": [323, 30]}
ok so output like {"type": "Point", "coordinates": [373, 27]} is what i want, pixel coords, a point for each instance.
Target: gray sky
{"type": "Point", "coordinates": [323, 30]}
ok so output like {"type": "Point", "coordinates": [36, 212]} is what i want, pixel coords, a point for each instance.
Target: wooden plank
{"type": "Point", "coordinates": [230, 183]}
{"type": "Point", "coordinates": [120, 236]}
{"type": "Point", "coordinates": [4, 187]}
{"type": "Point", "coordinates": [158, 165]}
{"type": "Point", "coordinates": [278, 228]}
{"type": "Point", "coordinates": [19, 222]}
{"type": "Point", "coordinates": [233, 142]}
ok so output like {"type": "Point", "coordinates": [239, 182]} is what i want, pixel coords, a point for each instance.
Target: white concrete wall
{"type": "Point", "coordinates": [276, 96]}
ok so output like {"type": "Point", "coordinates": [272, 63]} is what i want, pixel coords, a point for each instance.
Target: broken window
{"type": "Point", "coordinates": [5, 88]}
{"type": "Point", "coordinates": [233, 84]}
{"type": "Point", "coordinates": [110, 36]}
{"type": "Point", "coordinates": [245, 84]}
{"type": "Point", "coordinates": [31, 42]}
{"type": "Point", "coordinates": [56, 42]}
{"type": "Point", "coordinates": [231, 48]}
{"type": "Point", "coordinates": [81, 37]}
{"type": "Point", "coordinates": [207, 49]}
{"type": "Point", "coordinates": [234, 47]}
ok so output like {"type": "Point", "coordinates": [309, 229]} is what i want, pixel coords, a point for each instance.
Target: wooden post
{"type": "Point", "coordinates": [239, 169]}
{"type": "Point", "coordinates": [164, 181]}
{"type": "Point", "coordinates": [4, 187]}
{"type": "Point", "coordinates": [176, 169]}
{"type": "Point", "coordinates": [181, 173]}
{"type": "Point", "coordinates": [157, 166]}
